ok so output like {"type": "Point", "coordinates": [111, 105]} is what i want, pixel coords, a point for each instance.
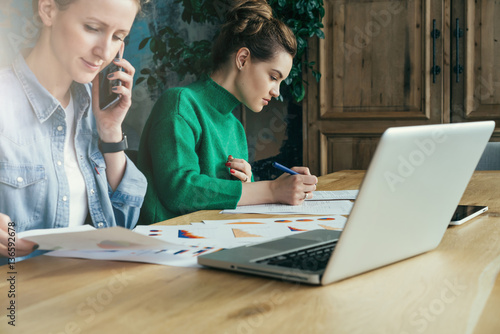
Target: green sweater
{"type": "Point", "coordinates": [184, 147]}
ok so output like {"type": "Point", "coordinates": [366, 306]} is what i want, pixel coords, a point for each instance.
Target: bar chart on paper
{"type": "Point", "coordinates": [240, 233]}
{"type": "Point", "coordinates": [183, 234]}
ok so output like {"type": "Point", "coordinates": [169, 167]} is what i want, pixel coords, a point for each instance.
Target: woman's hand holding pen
{"type": "Point", "coordinates": [286, 189]}
{"type": "Point", "coordinates": [8, 240]}
{"type": "Point", "coordinates": [240, 169]}
{"type": "Point", "coordinates": [294, 189]}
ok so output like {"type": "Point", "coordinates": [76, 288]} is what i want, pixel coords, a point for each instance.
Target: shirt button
{"type": "Point", "coordinates": [59, 128]}
{"type": "Point", "coordinates": [92, 191]}
{"type": "Point", "coordinates": [65, 198]}
{"type": "Point", "coordinates": [20, 179]}
{"type": "Point", "coordinates": [59, 163]}
{"type": "Point", "coordinates": [100, 224]}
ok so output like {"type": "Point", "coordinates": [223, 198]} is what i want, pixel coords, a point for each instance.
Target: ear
{"type": "Point", "coordinates": [47, 10]}
{"type": "Point", "coordinates": [242, 56]}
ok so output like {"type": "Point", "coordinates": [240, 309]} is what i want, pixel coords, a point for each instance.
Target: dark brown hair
{"type": "Point", "coordinates": [250, 24]}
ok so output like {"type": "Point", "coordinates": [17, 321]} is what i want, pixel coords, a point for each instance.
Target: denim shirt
{"type": "Point", "coordinates": [34, 189]}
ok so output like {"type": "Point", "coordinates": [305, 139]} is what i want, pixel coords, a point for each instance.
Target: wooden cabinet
{"type": "Point", "coordinates": [376, 62]}
{"type": "Point", "coordinates": [476, 95]}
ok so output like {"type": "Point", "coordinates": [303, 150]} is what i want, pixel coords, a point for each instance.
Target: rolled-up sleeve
{"type": "Point", "coordinates": [128, 197]}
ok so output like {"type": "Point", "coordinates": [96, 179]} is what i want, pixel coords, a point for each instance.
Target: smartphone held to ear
{"type": "Point", "coordinates": [106, 96]}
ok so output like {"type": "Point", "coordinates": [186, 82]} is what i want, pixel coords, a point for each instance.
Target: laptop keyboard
{"type": "Point", "coordinates": [311, 259]}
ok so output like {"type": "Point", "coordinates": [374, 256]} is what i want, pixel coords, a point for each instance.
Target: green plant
{"type": "Point", "coordinates": [304, 17]}
{"type": "Point", "coordinates": [171, 53]}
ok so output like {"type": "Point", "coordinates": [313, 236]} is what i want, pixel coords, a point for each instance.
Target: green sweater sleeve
{"type": "Point", "coordinates": [176, 156]}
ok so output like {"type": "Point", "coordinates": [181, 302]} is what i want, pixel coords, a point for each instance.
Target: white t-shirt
{"type": "Point", "coordinates": [78, 203]}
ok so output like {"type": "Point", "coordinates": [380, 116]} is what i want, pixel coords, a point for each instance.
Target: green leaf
{"type": "Point", "coordinates": [299, 92]}
{"type": "Point", "coordinates": [153, 45]}
{"type": "Point", "coordinates": [166, 31]}
{"type": "Point", "coordinates": [316, 75]}
{"type": "Point", "coordinates": [144, 42]}
{"type": "Point", "coordinates": [139, 80]}
{"type": "Point", "coordinates": [152, 81]}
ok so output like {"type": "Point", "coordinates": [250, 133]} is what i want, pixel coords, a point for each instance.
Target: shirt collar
{"type": "Point", "coordinates": [43, 103]}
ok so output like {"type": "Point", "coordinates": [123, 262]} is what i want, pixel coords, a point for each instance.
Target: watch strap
{"type": "Point", "coordinates": [113, 147]}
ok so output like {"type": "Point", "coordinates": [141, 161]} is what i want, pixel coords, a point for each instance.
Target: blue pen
{"type": "Point", "coordinates": [284, 169]}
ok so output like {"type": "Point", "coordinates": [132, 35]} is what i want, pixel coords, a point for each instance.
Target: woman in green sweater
{"type": "Point", "coordinates": [190, 139]}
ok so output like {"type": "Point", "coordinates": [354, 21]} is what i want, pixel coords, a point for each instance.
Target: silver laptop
{"type": "Point", "coordinates": [411, 189]}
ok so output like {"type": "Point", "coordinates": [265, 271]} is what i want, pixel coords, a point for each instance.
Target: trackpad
{"type": "Point", "coordinates": [286, 244]}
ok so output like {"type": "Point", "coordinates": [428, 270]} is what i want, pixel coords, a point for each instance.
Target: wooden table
{"type": "Point", "coordinates": [453, 289]}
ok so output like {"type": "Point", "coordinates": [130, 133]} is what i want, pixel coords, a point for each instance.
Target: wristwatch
{"type": "Point", "coordinates": [113, 147]}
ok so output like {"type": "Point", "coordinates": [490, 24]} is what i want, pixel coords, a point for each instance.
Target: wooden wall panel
{"type": "Point", "coordinates": [368, 58]}
{"type": "Point", "coordinates": [375, 63]}
{"type": "Point", "coordinates": [482, 73]}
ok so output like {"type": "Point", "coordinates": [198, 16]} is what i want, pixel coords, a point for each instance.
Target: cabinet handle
{"type": "Point", "coordinates": [435, 33]}
{"type": "Point", "coordinates": [458, 34]}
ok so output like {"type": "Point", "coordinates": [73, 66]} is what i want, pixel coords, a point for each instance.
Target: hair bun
{"type": "Point", "coordinates": [250, 24]}
{"type": "Point", "coordinates": [247, 17]}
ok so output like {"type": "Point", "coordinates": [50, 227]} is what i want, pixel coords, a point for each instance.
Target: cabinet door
{"type": "Point", "coordinates": [476, 91]}
{"type": "Point", "coordinates": [376, 62]}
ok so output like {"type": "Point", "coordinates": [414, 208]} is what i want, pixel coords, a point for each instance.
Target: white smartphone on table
{"type": "Point", "coordinates": [465, 213]}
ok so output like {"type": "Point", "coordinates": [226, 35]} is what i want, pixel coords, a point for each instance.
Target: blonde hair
{"type": "Point", "coordinates": [63, 4]}
{"type": "Point", "coordinates": [251, 24]}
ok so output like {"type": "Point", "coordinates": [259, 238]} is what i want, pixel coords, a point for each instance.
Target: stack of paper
{"type": "Point", "coordinates": [87, 237]}
{"type": "Point", "coordinates": [322, 203]}
{"type": "Point", "coordinates": [333, 195]}
{"type": "Point", "coordinates": [181, 244]}
{"type": "Point", "coordinates": [238, 232]}
{"type": "Point", "coordinates": [178, 245]}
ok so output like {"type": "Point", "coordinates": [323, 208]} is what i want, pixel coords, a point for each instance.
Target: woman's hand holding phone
{"type": "Point", "coordinates": [109, 120]}
{"type": "Point", "coordinates": [107, 97]}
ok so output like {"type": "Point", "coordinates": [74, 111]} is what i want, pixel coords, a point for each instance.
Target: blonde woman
{"type": "Point", "coordinates": [62, 160]}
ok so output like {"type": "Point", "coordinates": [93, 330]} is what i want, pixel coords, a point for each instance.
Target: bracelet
{"type": "Point", "coordinates": [113, 147]}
